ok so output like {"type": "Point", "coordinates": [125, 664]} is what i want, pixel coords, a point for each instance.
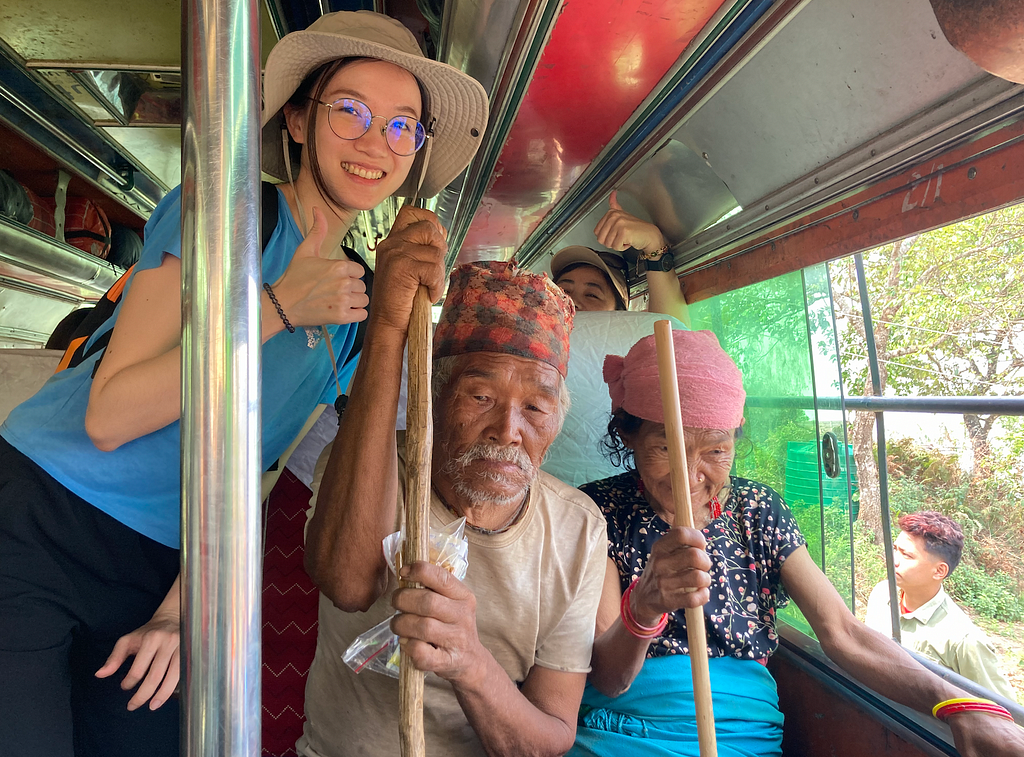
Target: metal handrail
{"type": "Point", "coordinates": [1002, 405]}
{"type": "Point", "coordinates": [44, 260]}
{"type": "Point", "coordinates": [21, 104]}
{"type": "Point", "coordinates": [220, 368]}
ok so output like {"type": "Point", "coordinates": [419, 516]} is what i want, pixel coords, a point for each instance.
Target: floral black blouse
{"type": "Point", "coordinates": [748, 543]}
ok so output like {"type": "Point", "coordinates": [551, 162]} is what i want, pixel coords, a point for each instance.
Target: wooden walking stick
{"type": "Point", "coordinates": [695, 635]}
{"type": "Point", "coordinates": [419, 441]}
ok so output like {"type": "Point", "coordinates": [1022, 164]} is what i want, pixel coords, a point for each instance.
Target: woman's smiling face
{"type": "Point", "coordinates": [709, 455]}
{"type": "Point", "coordinates": [360, 173]}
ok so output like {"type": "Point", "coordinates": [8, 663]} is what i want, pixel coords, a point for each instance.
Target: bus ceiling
{"type": "Point", "coordinates": [759, 136]}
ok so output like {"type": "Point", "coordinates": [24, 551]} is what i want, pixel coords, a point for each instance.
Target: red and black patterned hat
{"type": "Point", "coordinates": [495, 306]}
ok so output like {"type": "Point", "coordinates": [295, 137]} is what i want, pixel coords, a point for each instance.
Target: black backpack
{"type": "Point", "coordinates": [76, 350]}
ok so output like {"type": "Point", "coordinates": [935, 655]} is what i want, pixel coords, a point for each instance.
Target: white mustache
{"type": "Point", "coordinates": [493, 453]}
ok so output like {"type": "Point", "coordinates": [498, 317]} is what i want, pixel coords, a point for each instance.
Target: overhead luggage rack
{"type": "Point", "coordinates": [51, 266]}
{"type": "Point", "coordinates": [36, 113]}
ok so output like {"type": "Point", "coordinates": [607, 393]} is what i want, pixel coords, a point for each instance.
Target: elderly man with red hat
{"type": "Point", "coordinates": [508, 647]}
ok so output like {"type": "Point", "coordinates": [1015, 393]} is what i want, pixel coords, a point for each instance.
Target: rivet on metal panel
{"type": "Point", "coordinates": [873, 153]}
{"type": "Point", "coordinates": [766, 207]}
{"type": "Point", "coordinates": [728, 227]}
{"type": "Point", "coordinates": [474, 132]}
{"type": "Point", "coordinates": [773, 246]}
{"type": "Point", "coordinates": [816, 180]}
{"type": "Point", "coordinates": [856, 215]}
{"type": "Point", "coordinates": [972, 172]}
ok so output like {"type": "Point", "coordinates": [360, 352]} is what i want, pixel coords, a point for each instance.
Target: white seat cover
{"type": "Point", "coordinates": [576, 456]}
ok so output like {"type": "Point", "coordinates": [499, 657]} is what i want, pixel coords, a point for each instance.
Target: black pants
{"type": "Point", "coordinates": [72, 581]}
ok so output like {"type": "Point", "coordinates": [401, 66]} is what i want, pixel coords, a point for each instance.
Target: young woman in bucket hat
{"type": "Point", "coordinates": [89, 467]}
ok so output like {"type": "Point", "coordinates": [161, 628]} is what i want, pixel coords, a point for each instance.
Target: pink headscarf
{"type": "Point", "coordinates": [710, 385]}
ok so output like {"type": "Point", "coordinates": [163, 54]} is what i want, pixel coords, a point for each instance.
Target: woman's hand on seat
{"type": "Point", "coordinates": [619, 230]}
{"type": "Point", "coordinates": [316, 290]}
{"type": "Point", "coordinates": [676, 576]}
{"type": "Point", "coordinates": [156, 647]}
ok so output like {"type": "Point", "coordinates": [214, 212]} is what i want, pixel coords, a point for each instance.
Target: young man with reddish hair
{"type": "Point", "coordinates": [926, 551]}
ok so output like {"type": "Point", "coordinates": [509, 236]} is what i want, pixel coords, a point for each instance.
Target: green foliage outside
{"type": "Point", "coordinates": [993, 596]}
{"type": "Point", "coordinates": [986, 581]}
{"type": "Point", "coordinates": [765, 329]}
{"type": "Point", "coordinates": [949, 321]}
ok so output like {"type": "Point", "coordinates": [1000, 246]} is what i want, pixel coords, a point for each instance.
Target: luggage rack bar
{"type": "Point", "coordinates": [37, 260]}
{"type": "Point", "coordinates": [36, 113]}
{"type": "Point", "coordinates": [1004, 405]}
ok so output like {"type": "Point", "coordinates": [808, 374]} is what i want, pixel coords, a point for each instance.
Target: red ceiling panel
{"type": "Point", "coordinates": [603, 58]}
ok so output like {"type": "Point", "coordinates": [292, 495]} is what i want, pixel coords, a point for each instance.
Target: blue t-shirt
{"type": "Point", "coordinates": [139, 483]}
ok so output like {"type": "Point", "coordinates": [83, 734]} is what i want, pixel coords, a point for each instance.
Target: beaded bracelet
{"type": "Point", "coordinates": [969, 704]}
{"type": "Point", "coordinates": [654, 254]}
{"type": "Point", "coordinates": [280, 310]}
{"type": "Point", "coordinates": [631, 624]}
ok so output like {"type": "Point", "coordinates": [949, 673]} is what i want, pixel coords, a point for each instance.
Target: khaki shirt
{"type": "Point", "coordinates": [537, 587]}
{"type": "Point", "coordinates": [942, 632]}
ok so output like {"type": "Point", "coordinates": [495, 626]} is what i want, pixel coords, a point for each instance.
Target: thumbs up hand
{"type": "Point", "coordinates": [315, 290]}
{"type": "Point", "coordinates": [619, 230]}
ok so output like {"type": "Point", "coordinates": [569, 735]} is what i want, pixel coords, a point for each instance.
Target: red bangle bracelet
{"type": "Point", "coordinates": [632, 625]}
{"type": "Point", "coordinates": [990, 708]}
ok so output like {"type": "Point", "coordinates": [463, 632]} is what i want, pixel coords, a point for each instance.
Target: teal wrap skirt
{"type": "Point", "coordinates": [656, 717]}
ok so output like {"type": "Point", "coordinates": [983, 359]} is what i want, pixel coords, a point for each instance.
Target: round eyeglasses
{"type": "Point", "coordinates": [350, 119]}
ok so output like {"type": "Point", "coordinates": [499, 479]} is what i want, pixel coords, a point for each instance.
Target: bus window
{"type": "Point", "coordinates": [945, 312]}
{"type": "Point", "coordinates": [780, 333]}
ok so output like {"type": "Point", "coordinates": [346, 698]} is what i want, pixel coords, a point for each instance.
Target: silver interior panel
{"type": "Point", "coordinates": [836, 76]}
{"type": "Point", "coordinates": [475, 36]}
{"type": "Point", "coordinates": [26, 319]}
{"type": "Point", "coordinates": [158, 147]}
{"type": "Point", "coordinates": [675, 189]}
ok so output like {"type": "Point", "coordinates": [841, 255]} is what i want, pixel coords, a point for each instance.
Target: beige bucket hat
{"type": "Point", "coordinates": [455, 101]}
{"type": "Point", "coordinates": [579, 254]}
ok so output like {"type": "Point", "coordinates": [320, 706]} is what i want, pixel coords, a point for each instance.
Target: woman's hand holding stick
{"type": "Point", "coordinates": [684, 517]}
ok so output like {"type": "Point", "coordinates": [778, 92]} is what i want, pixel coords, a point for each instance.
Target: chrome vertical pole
{"type": "Point", "coordinates": [220, 418]}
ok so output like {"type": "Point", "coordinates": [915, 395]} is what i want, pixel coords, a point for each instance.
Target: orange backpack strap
{"type": "Point", "coordinates": [103, 311]}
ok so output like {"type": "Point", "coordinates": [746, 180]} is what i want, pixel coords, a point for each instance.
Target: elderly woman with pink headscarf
{"type": "Point", "coordinates": [743, 561]}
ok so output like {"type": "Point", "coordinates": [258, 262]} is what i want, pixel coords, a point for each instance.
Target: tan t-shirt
{"type": "Point", "coordinates": [537, 587]}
